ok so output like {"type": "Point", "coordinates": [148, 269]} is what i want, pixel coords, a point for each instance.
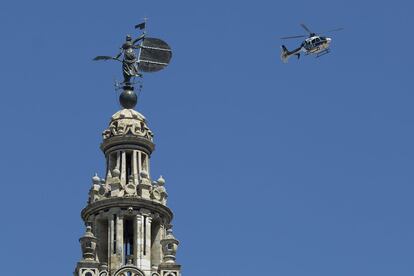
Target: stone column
{"type": "Point", "coordinates": [123, 167]}
{"type": "Point", "coordinates": [91, 223]}
{"type": "Point", "coordinates": [111, 256]}
{"type": "Point", "coordinates": [108, 166]}
{"type": "Point", "coordinates": [118, 160]}
{"type": "Point", "coordinates": [102, 228]}
{"type": "Point", "coordinates": [135, 166]}
{"type": "Point", "coordinates": [97, 231]}
{"type": "Point", "coordinates": [120, 240]}
{"type": "Point", "coordinates": [147, 161]}
{"type": "Point", "coordinates": [146, 261]}
{"type": "Point", "coordinates": [138, 240]}
{"type": "Point", "coordinates": [156, 250]}
{"type": "Point", "coordinates": [139, 164]}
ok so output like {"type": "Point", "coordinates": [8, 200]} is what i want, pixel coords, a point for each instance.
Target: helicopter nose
{"type": "Point", "coordinates": [329, 39]}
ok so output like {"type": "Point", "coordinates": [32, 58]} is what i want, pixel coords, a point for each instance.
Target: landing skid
{"type": "Point", "coordinates": [324, 52]}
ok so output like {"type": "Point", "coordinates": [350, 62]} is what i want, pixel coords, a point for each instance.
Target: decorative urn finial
{"type": "Point", "coordinates": [88, 245]}
{"type": "Point", "coordinates": [169, 247]}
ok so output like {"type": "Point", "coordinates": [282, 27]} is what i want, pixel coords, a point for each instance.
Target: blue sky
{"type": "Point", "coordinates": [290, 169]}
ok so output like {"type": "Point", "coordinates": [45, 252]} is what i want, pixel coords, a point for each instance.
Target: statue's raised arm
{"type": "Point", "coordinates": [141, 37]}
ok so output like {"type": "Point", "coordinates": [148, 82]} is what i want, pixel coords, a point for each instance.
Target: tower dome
{"type": "Point", "coordinates": [128, 122]}
{"type": "Point", "coordinates": [127, 130]}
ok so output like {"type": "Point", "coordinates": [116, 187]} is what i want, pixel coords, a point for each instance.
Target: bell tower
{"type": "Point", "coordinates": [128, 224]}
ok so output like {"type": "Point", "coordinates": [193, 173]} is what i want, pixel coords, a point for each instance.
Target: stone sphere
{"type": "Point", "coordinates": [128, 99]}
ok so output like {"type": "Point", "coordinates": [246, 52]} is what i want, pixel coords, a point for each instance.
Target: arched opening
{"type": "Point", "coordinates": [128, 238]}
{"type": "Point", "coordinates": [129, 271]}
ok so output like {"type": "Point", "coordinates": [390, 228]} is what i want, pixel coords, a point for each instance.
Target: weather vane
{"type": "Point", "coordinates": [153, 55]}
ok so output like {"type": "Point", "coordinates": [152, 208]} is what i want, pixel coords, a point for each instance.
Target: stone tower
{"type": "Point", "coordinates": [128, 223]}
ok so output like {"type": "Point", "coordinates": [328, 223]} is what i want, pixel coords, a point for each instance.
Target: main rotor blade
{"type": "Point", "coordinates": [333, 30]}
{"type": "Point", "coordinates": [306, 28]}
{"type": "Point", "coordinates": [296, 36]}
{"type": "Point", "coordinates": [103, 58]}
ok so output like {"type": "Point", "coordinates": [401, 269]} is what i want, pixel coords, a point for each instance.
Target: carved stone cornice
{"type": "Point", "coordinates": [135, 203]}
{"type": "Point", "coordinates": [127, 142]}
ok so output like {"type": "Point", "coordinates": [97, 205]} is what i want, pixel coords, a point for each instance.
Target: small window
{"type": "Point", "coordinates": [128, 160]}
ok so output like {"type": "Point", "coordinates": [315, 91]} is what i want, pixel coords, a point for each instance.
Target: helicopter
{"type": "Point", "coordinates": [313, 44]}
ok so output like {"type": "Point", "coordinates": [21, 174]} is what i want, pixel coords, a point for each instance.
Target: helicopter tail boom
{"type": "Point", "coordinates": [286, 54]}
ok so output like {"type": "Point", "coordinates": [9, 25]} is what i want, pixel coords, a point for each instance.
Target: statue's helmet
{"type": "Point", "coordinates": [128, 38]}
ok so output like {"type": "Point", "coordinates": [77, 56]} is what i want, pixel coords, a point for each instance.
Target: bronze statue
{"type": "Point", "coordinates": [130, 59]}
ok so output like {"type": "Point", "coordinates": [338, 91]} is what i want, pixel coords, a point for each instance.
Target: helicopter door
{"type": "Point", "coordinates": [307, 45]}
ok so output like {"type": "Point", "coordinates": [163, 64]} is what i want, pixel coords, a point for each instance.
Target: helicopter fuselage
{"type": "Point", "coordinates": [316, 45]}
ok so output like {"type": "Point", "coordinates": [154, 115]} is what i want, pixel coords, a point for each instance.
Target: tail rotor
{"type": "Point", "coordinates": [284, 55]}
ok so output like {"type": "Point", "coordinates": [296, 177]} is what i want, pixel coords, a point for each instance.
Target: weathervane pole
{"type": "Point", "coordinates": [145, 25]}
